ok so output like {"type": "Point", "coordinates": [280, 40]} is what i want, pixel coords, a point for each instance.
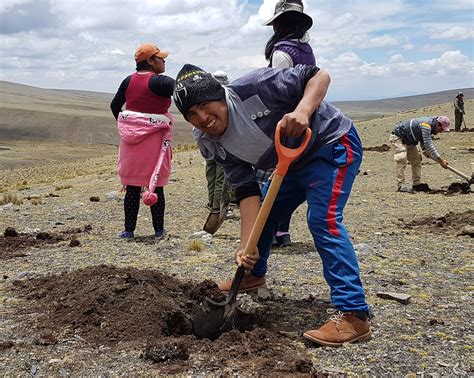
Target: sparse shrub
{"type": "Point", "coordinates": [195, 245]}
{"type": "Point", "coordinates": [36, 200]}
{"type": "Point", "coordinates": [12, 198]}
{"type": "Point", "coordinates": [61, 187]}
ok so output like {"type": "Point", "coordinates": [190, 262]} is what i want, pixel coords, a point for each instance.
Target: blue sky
{"type": "Point", "coordinates": [371, 48]}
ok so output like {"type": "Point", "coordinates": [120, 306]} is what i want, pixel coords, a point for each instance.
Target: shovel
{"type": "Point", "coordinates": [470, 180]}
{"type": "Point", "coordinates": [215, 318]}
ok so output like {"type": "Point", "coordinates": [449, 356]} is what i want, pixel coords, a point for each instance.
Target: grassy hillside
{"type": "Point", "coordinates": [31, 113]}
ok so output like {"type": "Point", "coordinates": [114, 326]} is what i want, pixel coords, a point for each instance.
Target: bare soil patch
{"type": "Point", "coordinates": [383, 148]}
{"type": "Point", "coordinates": [451, 223]}
{"type": "Point", "coordinates": [453, 188]}
{"type": "Point", "coordinates": [13, 243]}
{"type": "Point", "coordinates": [146, 310]}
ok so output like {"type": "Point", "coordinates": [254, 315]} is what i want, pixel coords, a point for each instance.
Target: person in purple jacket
{"type": "Point", "coordinates": [236, 124]}
{"type": "Point", "coordinates": [287, 47]}
{"type": "Point", "coordinates": [289, 44]}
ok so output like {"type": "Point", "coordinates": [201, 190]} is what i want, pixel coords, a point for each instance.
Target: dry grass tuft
{"type": "Point", "coordinates": [11, 198]}
{"type": "Point", "coordinates": [36, 200]}
{"type": "Point", "coordinates": [195, 245]}
{"type": "Point", "coordinates": [185, 147]}
{"type": "Point", "coordinates": [61, 187]}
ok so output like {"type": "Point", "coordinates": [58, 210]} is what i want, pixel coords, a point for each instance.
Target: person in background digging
{"type": "Point", "coordinates": [458, 111]}
{"type": "Point", "coordinates": [219, 191]}
{"type": "Point", "coordinates": [404, 140]}
{"type": "Point", "coordinates": [236, 125]}
{"type": "Point", "coordinates": [288, 46]}
{"type": "Point", "coordinates": [147, 97]}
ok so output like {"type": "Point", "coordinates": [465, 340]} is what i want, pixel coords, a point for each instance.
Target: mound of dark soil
{"type": "Point", "coordinates": [153, 312]}
{"type": "Point", "coordinates": [453, 188]}
{"type": "Point", "coordinates": [13, 243]}
{"type": "Point", "coordinates": [383, 148]}
{"type": "Point", "coordinates": [449, 223]}
{"type": "Point", "coordinates": [459, 187]}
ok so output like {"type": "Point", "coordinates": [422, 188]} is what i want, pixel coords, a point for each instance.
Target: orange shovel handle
{"type": "Point", "coordinates": [287, 155]}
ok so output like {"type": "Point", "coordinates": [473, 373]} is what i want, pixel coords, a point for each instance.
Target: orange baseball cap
{"type": "Point", "coordinates": [147, 50]}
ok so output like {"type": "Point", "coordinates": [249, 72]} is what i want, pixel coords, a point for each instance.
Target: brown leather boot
{"type": "Point", "coordinates": [249, 283]}
{"type": "Point", "coordinates": [342, 327]}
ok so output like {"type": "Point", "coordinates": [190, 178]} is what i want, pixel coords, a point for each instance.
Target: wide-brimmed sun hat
{"type": "Point", "coordinates": [283, 6]}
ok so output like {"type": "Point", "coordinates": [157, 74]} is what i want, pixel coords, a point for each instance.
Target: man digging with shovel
{"type": "Point", "coordinates": [404, 140]}
{"type": "Point", "coordinates": [236, 126]}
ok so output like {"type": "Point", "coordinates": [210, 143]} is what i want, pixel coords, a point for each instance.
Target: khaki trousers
{"type": "Point", "coordinates": [402, 154]}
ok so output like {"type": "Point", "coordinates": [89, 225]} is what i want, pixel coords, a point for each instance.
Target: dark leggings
{"type": "Point", "coordinates": [132, 204]}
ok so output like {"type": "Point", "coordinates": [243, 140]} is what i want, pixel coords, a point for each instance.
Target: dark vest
{"type": "Point", "coordinates": [300, 53]}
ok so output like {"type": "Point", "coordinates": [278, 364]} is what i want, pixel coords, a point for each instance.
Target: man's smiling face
{"type": "Point", "coordinates": [210, 117]}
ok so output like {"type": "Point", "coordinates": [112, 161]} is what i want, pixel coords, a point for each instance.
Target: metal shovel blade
{"type": "Point", "coordinates": [217, 317]}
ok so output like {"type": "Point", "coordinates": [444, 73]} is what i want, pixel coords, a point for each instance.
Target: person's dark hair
{"type": "Point", "coordinates": [144, 66]}
{"type": "Point", "coordinates": [290, 25]}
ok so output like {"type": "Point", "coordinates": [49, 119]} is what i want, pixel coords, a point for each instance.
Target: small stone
{"type": "Point", "coordinates": [264, 293]}
{"type": "Point", "coordinates": [399, 297]}
{"type": "Point", "coordinates": [199, 234]}
{"type": "Point", "coordinates": [467, 230]}
{"type": "Point", "coordinates": [33, 369]}
{"type": "Point", "coordinates": [113, 196]}
{"type": "Point", "coordinates": [362, 249]}
{"type": "Point", "coordinates": [94, 199]}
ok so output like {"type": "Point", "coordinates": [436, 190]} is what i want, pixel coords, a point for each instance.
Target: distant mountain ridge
{"type": "Point", "coordinates": [31, 113]}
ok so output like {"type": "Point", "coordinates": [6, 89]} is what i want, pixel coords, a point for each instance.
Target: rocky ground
{"type": "Point", "coordinates": [77, 300]}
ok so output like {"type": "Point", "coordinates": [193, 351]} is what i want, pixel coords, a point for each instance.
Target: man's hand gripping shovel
{"type": "Point", "coordinates": [215, 318]}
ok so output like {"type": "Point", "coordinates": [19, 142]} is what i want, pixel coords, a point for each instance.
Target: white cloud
{"type": "Point", "coordinates": [437, 48]}
{"type": "Point", "coordinates": [397, 58]}
{"type": "Point", "coordinates": [88, 37]}
{"type": "Point", "coordinates": [456, 33]}
{"type": "Point", "coordinates": [383, 40]}
{"type": "Point", "coordinates": [74, 41]}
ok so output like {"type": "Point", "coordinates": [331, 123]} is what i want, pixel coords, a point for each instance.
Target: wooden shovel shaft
{"type": "Point", "coordinates": [460, 174]}
{"type": "Point", "coordinates": [251, 246]}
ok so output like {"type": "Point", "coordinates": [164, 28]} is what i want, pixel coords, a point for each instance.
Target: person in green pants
{"type": "Point", "coordinates": [219, 191]}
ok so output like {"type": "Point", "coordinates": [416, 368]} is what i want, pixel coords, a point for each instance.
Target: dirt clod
{"type": "Point", "coordinates": [10, 232]}
{"type": "Point", "coordinates": [74, 243]}
{"type": "Point", "coordinates": [173, 350]}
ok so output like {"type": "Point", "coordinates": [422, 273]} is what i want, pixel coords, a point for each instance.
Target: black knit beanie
{"type": "Point", "coordinates": [193, 85]}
